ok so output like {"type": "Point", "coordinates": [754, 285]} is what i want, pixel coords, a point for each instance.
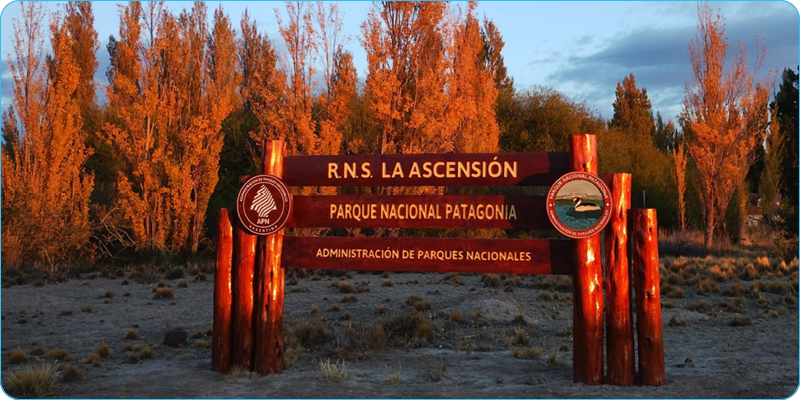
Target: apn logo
{"type": "Point", "coordinates": [263, 204]}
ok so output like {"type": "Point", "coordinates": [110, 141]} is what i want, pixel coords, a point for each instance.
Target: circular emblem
{"type": "Point", "coordinates": [579, 204]}
{"type": "Point", "coordinates": [264, 205]}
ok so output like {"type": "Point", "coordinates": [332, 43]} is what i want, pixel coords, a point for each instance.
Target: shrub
{"type": "Point", "coordinates": [349, 298]}
{"type": "Point", "coordinates": [456, 316]}
{"type": "Point", "coordinates": [519, 337]}
{"type": "Point", "coordinates": [175, 273]}
{"type": "Point", "coordinates": [70, 373]}
{"type": "Point", "coordinates": [673, 292]}
{"type": "Point", "coordinates": [410, 326]}
{"type": "Point", "coordinates": [59, 354]}
{"type": "Point", "coordinates": [332, 372]}
{"type": "Point", "coordinates": [103, 350]}
{"type": "Point", "coordinates": [163, 293]}
{"type": "Point", "coordinates": [17, 356]}
{"type": "Point", "coordinates": [532, 353]}
{"type": "Point", "coordinates": [675, 321]}
{"type": "Point", "coordinates": [738, 320]}
{"type": "Point", "coordinates": [344, 287]}
{"type": "Point", "coordinates": [32, 382]}
{"type": "Point", "coordinates": [491, 280]}
{"type": "Point", "coordinates": [309, 335]}
{"type": "Point", "coordinates": [418, 303]}
{"type": "Point", "coordinates": [706, 285]}
{"type": "Point", "coordinates": [701, 306]}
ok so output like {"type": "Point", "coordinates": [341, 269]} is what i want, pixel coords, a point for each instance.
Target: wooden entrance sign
{"type": "Point", "coordinates": [648, 297]}
{"type": "Point", "coordinates": [274, 252]}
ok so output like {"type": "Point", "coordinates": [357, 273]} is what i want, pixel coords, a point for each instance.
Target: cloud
{"type": "Point", "coordinates": [658, 57]}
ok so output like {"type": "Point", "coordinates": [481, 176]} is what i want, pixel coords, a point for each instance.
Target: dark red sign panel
{"type": "Point", "coordinates": [506, 256]}
{"type": "Point", "coordinates": [264, 205]}
{"type": "Point", "coordinates": [579, 204]}
{"type": "Point", "coordinates": [421, 211]}
{"type": "Point", "coordinates": [496, 169]}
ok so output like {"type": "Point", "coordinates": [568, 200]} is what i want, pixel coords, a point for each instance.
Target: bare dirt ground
{"type": "Point", "coordinates": [468, 357]}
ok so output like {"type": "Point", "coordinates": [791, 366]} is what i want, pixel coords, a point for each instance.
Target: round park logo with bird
{"type": "Point", "coordinates": [579, 204]}
{"type": "Point", "coordinates": [264, 205]}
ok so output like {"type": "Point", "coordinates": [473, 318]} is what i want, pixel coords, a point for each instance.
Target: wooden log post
{"type": "Point", "coordinates": [223, 292]}
{"type": "Point", "coordinates": [587, 290]}
{"type": "Point", "coordinates": [619, 330]}
{"type": "Point", "coordinates": [244, 253]}
{"type": "Point", "coordinates": [648, 297]}
{"type": "Point", "coordinates": [270, 281]}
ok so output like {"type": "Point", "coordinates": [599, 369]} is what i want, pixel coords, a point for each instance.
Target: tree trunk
{"type": "Point", "coordinates": [708, 238]}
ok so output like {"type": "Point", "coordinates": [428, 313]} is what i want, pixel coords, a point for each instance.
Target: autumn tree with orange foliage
{"type": "Point", "coordinates": [298, 65]}
{"type": "Point", "coordinates": [45, 186]}
{"type": "Point", "coordinates": [472, 91]}
{"type": "Point", "coordinates": [172, 83]}
{"type": "Point", "coordinates": [680, 157]}
{"type": "Point", "coordinates": [724, 115]}
{"type": "Point", "coordinates": [407, 68]}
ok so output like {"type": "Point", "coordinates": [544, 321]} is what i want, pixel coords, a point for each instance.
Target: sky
{"type": "Point", "coordinates": [580, 48]}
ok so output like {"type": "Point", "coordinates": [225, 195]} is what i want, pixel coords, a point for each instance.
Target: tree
{"type": "Point", "coordinates": [170, 90]}
{"type": "Point", "coordinates": [724, 115]}
{"type": "Point", "coordinates": [786, 101]}
{"type": "Point", "coordinates": [632, 110]}
{"type": "Point", "coordinates": [680, 156]}
{"type": "Point", "coordinates": [298, 65]}
{"type": "Point", "coordinates": [665, 135]}
{"type": "Point", "coordinates": [769, 183]}
{"type": "Point", "coordinates": [45, 185]}
{"type": "Point", "coordinates": [407, 71]}
{"type": "Point", "coordinates": [263, 85]}
{"type": "Point", "coordinates": [471, 89]}
{"type": "Point", "coordinates": [339, 77]}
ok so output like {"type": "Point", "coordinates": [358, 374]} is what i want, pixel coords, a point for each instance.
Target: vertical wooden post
{"type": "Point", "coordinates": [587, 290]}
{"type": "Point", "coordinates": [244, 252]}
{"type": "Point", "coordinates": [648, 297]}
{"type": "Point", "coordinates": [619, 330]}
{"type": "Point", "coordinates": [270, 281]}
{"type": "Point", "coordinates": [223, 301]}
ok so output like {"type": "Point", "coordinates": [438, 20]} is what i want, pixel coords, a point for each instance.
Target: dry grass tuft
{"type": "Point", "coordinates": [393, 377]}
{"type": "Point", "coordinates": [182, 283]}
{"type": "Point", "coordinates": [418, 303]}
{"type": "Point", "coordinates": [675, 321]}
{"type": "Point", "coordinates": [108, 295]}
{"type": "Point", "coordinates": [553, 359]}
{"type": "Point", "coordinates": [103, 350]}
{"type": "Point", "coordinates": [701, 306]}
{"type": "Point", "coordinates": [59, 354]}
{"type": "Point", "coordinates": [491, 280]}
{"type": "Point", "coordinates": [37, 350]}
{"type": "Point", "coordinates": [736, 304]}
{"type": "Point", "coordinates": [17, 356]}
{"type": "Point", "coordinates": [344, 287]}
{"type": "Point", "coordinates": [706, 285]}
{"type": "Point", "coordinates": [456, 316]}
{"type": "Point", "coordinates": [382, 309]}
{"type": "Point", "coordinates": [739, 320]}
{"type": "Point", "coordinates": [519, 337]}
{"type": "Point", "coordinates": [70, 373]}
{"type": "Point", "coordinates": [131, 334]}
{"type": "Point", "coordinates": [673, 292]}
{"type": "Point", "coordinates": [238, 372]}
{"type": "Point", "coordinates": [87, 308]}
{"type": "Point", "coordinates": [532, 353]}
{"type": "Point", "coordinates": [163, 293]}
{"type": "Point", "coordinates": [735, 290]}
{"type": "Point", "coordinates": [333, 372]}
{"type": "Point", "coordinates": [413, 325]}
{"type": "Point", "coordinates": [309, 335]}
{"type": "Point", "coordinates": [387, 283]}
{"type": "Point", "coordinates": [349, 298]}
{"type": "Point", "coordinates": [32, 382]}
{"type": "Point", "coordinates": [749, 273]}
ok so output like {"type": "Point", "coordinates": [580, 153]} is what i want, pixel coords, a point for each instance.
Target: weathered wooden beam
{"type": "Point", "coordinates": [270, 281]}
{"type": "Point", "coordinates": [587, 297]}
{"type": "Point", "coordinates": [621, 369]}
{"type": "Point", "coordinates": [223, 292]}
{"type": "Point", "coordinates": [648, 297]}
